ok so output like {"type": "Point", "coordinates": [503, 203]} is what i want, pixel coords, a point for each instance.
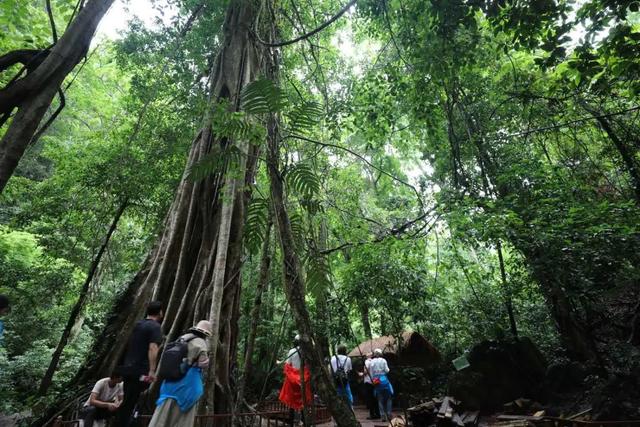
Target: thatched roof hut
{"type": "Point", "coordinates": [409, 349]}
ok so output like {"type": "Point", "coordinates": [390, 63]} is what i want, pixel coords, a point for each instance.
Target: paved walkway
{"type": "Point", "coordinates": [361, 415]}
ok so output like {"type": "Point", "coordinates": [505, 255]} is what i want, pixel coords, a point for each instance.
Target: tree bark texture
{"type": "Point", "coordinates": [507, 293]}
{"type": "Point", "coordinates": [180, 269]}
{"type": "Point", "coordinates": [321, 306]}
{"type": "Point", "coordinates": [32, 95]}
{"type": "Point", "coordinates": [364, 316]}
{"type": "Point", "coordinates": [295, 290]}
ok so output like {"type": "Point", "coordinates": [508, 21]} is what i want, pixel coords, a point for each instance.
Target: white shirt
{"type": "Point", "coordinates": [293, 358]}
{"type": "Point", "coordinates": [378, 366]}
{"type": "Point", "coordinates": [367, 370]}
{"type": "Point", "coordinates": [341, 361]}
{"type": "Point", "coordinates": [105, 393]}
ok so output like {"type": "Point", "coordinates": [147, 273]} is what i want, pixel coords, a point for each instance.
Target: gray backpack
{"type": "Point", "coordinates": [174, 363]}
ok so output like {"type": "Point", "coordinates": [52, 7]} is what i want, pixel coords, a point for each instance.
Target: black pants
{"type": "Point", "coordinates": [132, 388]}
{"type": "Point", "coordinates": [296, 417]}
{"type": "Point", "coordinates": [372, 402]}
{"type": "Point", "coordinates": [90, 413]}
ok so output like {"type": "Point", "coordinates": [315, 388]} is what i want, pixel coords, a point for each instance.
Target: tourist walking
{"type": "Point", "coordinates": [379, 369]}
{"type": "Point", "coordinates": [291, 393]}
{"type": "Point", "coordinates": [176, 406]}
{"type": "Point", "coordinates": [140, 360]}
{"type": "Point", "coordinates": [369, 391]}
{"type": "Point", "coordinates": [340, 368]}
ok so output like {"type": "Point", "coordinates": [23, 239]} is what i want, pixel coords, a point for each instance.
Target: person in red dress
{"type": "Point", "coordinates": [291, 393]}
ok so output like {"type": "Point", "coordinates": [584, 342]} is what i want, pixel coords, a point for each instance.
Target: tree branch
{"type": "Point", "coordinates": [52, 21]}
{"type": "Point", "coordinates": [51, 119]}
{"type": "Point", "coordinates": [312, 32]}
{"type": "Point", "coordinates": [569, 123]}
{"type": "Point", "coordinates": [27, 57]}
{"type": "Point", "coordinates": [359, 156]}
{"type": "Point", "coordinates": [392, 233]}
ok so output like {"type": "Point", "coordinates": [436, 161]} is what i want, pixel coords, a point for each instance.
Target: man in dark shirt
{"type": "Point", "coordinates": [140, 360]}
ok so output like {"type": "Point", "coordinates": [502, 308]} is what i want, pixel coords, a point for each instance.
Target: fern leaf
{"type": "Point", "coordinates": [263, 96]}
{"type": "Point", "coordinates": [312, 206]}
{"type": "Point", "coordinates": [318, 274]}
{"type": "Point", "coordinates": [303, 117]}
{"type": "Point", "coordinates": [214, 162]}
{"type": "Point", "coordinates": [303, 180]}
{"type": "Point", "coordinates": [255, 228]}
{"type": "Point", "coordinates": [298, 230]}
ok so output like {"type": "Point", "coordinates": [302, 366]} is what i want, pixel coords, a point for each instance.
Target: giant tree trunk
{"type": "Point", "coordinates": [364, 316]}
{"type": "Point", "coordinates": [33, 94]}
{"type": "Point", "coordinates": [180, 269]}
{"type": "Point", "coordinates": [295, 291]}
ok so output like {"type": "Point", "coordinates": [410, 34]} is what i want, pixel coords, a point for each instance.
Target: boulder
{"type": "Point", "coordinates": [499, 372]}
{"type": "Point", "coordinates": [618, 399]}
{"type": "Point", "coordinates": [565, 377]}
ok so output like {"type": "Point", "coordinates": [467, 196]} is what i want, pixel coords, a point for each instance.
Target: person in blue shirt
{"type": "Point", "coordinates": [5, 308]}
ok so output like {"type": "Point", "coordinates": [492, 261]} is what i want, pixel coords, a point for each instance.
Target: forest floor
{"type": "Point", "coordinates": [361, 415]}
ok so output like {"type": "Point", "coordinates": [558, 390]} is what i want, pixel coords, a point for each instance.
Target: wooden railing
{"type": "Point", "coordinates": [268, 414]}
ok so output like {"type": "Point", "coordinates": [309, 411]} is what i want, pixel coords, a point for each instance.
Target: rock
{"type": "Point", "coordinates": [565, 377]}
{"type": "Point", "coordinates": [618, 399]}
{"type": "Point", "coordinates": [499, 372]}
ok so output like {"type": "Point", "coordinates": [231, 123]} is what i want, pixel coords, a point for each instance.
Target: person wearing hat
{"type": "Point", "coordinates": [378, 369]}
{"type": "Point", "coordinates": [176, 405]}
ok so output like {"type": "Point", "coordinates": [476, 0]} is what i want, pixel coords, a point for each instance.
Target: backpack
{"type": "Point", "coordinates": [340, 376]}
{"type": "Point", "coordinates": [173, 363]}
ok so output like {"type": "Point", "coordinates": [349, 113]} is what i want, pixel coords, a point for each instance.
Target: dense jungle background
{"type": "Point", "coordinates": [466, 169]}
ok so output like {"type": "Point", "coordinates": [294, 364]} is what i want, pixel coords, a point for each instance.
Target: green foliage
{"type": "Point", "coordinates": [318, 277]}
{"type": "Point", "coordinates": [256, 225]}
{"type": "Point", "coordinates": [28, 273]}
{"type": "Point", "coordinates": [263, 96]}
{"type": "Point", "coordinates": [476, 118]}
{"type": "Point", "coordinates": [303, 117]}
{"type": "Point", "coordinates": [302, 179]}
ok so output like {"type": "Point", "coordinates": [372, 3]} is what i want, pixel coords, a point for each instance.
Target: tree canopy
{"type": "Point", "coordinates": [469, 170]}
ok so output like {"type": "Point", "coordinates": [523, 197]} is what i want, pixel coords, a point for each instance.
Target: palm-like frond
{"type": "Point", "coordinates": [298, 230]}
{"type": "Point", "coordinates": [318, 274]}
{"type": "Point", "coordinates": [214, 162]}
{"type": "Point", "coordinates": [256, 226]}
{"type": "Point", "coordinates": [263, 96]}
{"type": "Point", "coordinates": [237, 126]}
{"type": "Point", "coordinates": [303, 180]}
{"type": "Point", "coordinates": [303, 117]}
